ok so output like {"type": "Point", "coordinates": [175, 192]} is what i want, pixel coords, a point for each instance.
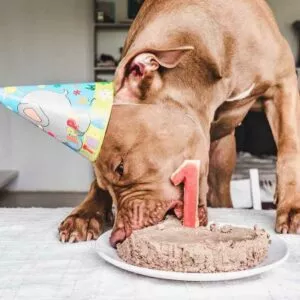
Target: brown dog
{"type": "Point", "coordinates": [210, 60]}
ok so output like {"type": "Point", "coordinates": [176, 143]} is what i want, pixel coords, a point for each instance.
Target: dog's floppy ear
{"type": "Point", "coordinates": [138, 72]}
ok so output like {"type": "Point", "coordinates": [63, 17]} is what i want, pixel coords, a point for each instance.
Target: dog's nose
{"type": "Point", "coordinates": [117, 236]}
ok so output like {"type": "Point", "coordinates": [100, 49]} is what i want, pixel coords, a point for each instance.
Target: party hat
{"type": "Point", "coordinates": [77, 115]}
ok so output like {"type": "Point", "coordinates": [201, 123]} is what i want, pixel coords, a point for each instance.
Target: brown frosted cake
{"type": "Point", "coordinates": [170, 246]}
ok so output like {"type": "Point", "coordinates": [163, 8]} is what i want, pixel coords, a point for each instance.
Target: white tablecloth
{"type": "Point", "coordinates": [35, 265]}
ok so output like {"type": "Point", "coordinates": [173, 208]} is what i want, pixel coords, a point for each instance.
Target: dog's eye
{"type": "Point", "coordinates": [120, 169]}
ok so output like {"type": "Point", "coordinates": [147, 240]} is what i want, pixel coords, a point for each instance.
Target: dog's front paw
{"type": "Point", "coordinates": [288, 220]}
{"type": "Point", "coordinates": [203, 216]}
{"type": "Point", "coordinates": [287, 196]}
{"type": "Point", "coordinates": [81, 226]}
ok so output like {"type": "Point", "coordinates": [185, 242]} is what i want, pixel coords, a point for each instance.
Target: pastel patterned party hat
{"type": "Point", "coordinates": [77, 115]}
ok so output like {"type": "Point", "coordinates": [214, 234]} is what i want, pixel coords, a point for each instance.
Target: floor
{"type": "Point", "coordinates": [34, 265]}
{"type": "Point", "coordinates": [40, 199]}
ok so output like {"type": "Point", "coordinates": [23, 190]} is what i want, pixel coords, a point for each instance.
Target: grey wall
{"type": "Point", "coordinates": [5, 140]}
{"type": "Point", "coordinates": [286, 12]}
{"type": "Point", "coordinates": [43, 41]}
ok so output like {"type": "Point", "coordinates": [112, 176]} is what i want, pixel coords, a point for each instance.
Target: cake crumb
{"type": "Point", "coordinates": [226, 229]}
{"type": "Point", "coordinates": [160, 226]}
{"type": "Point", "coordinates": [213, 227]}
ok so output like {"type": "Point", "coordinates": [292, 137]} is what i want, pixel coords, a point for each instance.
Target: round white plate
{"type": "Point", "coordinates": [278, 253]}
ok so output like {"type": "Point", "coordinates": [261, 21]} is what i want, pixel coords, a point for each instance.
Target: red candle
{"type": "Point", "coordinates": [188, 174]}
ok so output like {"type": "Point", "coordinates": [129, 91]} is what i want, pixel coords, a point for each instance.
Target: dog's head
{"type": "Point", "coordinates": [143, 146]}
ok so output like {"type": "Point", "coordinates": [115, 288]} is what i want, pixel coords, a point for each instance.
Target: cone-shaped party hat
{"type": "Point", "coordinates": [75, 114]}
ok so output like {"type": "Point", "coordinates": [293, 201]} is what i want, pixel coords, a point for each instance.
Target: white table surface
{"type": "Point", "coordinates": [35, 265]}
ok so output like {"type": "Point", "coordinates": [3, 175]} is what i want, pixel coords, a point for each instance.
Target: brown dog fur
{"type": "Point", "coordinates": [195, 55]}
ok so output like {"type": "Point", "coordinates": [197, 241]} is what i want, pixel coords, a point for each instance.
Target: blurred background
{"type": "Point", "coordinates": [44, 42]}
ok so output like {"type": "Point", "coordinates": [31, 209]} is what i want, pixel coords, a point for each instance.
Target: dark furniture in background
{"type": "Point", "coordinates": [100, 70]}
{"type": "Point", "coordinates": [107, 25]}
{"type": "Point", "coordinates": [134, 7]}
{"type": "Point", "coordinates": [104, 26]}
{"type": "Point", "coordinates": [296, 26]}
{"type": "Point", "coordinates": [255, 136]}
{"type": "Point", "coordinates": [105, 11]}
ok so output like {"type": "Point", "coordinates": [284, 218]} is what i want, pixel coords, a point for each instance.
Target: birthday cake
{"type": "Point", "coordinates": [172, 247]}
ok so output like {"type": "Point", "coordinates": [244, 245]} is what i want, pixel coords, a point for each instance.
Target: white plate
{"type": "Point", "coordinates": [278, 253]}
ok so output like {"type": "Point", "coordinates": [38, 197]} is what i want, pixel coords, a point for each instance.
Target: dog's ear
{"type": "Point", "coordinates": [135, 75]}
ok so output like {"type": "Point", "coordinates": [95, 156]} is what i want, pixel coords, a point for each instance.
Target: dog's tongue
{"type": "Point", "coordinates": [188, 174]}
{"type": "Point", "coordinates": [117, 236]}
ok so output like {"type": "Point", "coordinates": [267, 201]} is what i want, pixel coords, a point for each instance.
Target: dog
{"type": "Point", "coordinates": [204, 63]}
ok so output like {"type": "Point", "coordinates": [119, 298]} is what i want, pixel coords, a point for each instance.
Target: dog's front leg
{"type": "Point", "coordinates": [87, 220]}
{"type": "Point", "coordinates": [283, 113]}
